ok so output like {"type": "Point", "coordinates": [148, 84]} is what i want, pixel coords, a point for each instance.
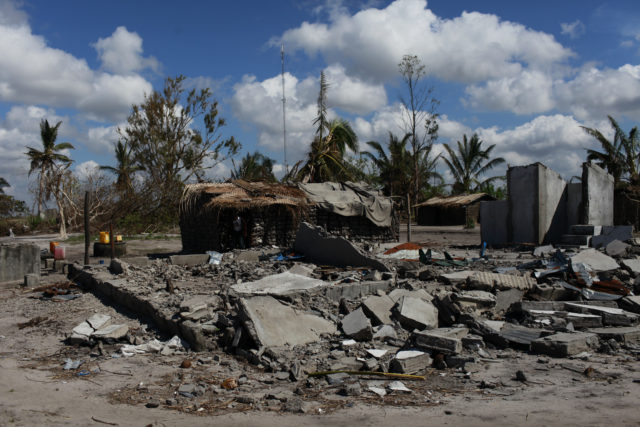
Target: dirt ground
{"type": "Point", "coordinates": [594, 390]}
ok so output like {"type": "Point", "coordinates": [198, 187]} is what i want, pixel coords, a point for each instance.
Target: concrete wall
{"type": "Point", "coordinates": [574, 200]}
{"type": "Point", "coordinates": [494, 217]}
{"type": "Point", "coordinates": [597, 195]}
{"type": "Point", "coordinates": [552, 206]}
{"type": "Point", "coordinates": [522, 183]}
{"type": "Point", "coordinates": [16, 260]}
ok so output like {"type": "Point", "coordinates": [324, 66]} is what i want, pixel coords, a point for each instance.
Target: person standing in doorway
{"type": "Point", "coordinates": [238, 233]}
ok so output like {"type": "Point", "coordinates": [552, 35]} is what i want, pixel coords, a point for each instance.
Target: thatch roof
{"type": "Point", "coordinates": [241, 194]}
{"type": "Point", "coordinates": [455, 201]}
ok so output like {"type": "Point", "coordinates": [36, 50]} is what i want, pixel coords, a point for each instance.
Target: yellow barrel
{"type": "Point", "coordinates": [52, 247]}
{"type": "Point", "coordinates": [104, 237]}
{"type": "Point", "coordinates": [118, 238]}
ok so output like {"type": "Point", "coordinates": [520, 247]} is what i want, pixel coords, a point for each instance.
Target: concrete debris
{"type": "Point", "coordinates": [271, 323]}
{"type": "Point", "coordinates": [616, 248]}
{"type": "Point", "coordinates": [279, 284]}
{"type": "Point", "coordinates": [492, 281]}
{"type": "Point", "coordinates": [596, 260]}
{"type": "Point", "coordinates": [632, 265]}
{"type": "Point", "coordinates": [564, 344]}
{"type": "Point", "coordinates": [610, 233]}
{"type": "Point", "coordinates": [410, 362]}
{"type": "Point", "coordinates": [357, 326]}
{"type": "Point", "coordinates": [97, 326]}
{"type": "Point", "coordinates": [378, 309]}
{"type": "Point", "coordinates": [441, 340]}
{"type": "Point", "coordinates": [414, 313]}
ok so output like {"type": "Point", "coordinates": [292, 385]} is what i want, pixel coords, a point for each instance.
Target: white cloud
{"type": "Point", "coordinates": [31, 72]}
{"type": "Point", "coordinates": [102, 139]}
{"type": "Point", "coordinates": [470, 48]}
{"type": "Point", "coordinates": [352, 94]}
{"type": "Point", "coordinates": [87, 169]}
{"type": "Point", "coordinates": [529, 92]}
{"type": "Point", "coordinates": [573, 29]}
{"type": "Point", "coordinates": [121, 52]}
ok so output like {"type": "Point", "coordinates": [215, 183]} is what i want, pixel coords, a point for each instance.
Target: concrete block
{"type": "Point", "coordinates": [272, 324]}
{"type": "Point", "coordinates": [611, 233]}
{"type": "Point", "coordinates": [48, 263]}
{"type": "Point", "coordinates": [488, 281]}
{"type": "Point", "coordinates": [331, 250]}
{"type": "Point", "coordinates": [414, 313]}
{"type": "Point", "coordinates": [616, 248]}
{"type": "Point", "coordinates": [476, 299]}
{"type": "Point", "coordinates": [385, 331]}
{"type": "Point", "coordinates": [378, 309]}
{"type": "Point", "coordinates": [564, 344]}
{"type": "Point", "coordinates": [457, 277]}
{"type": "Point", "coordinates": [410, 362]}
{"type": "Point", "coordinates": [31, 280]}
{"type": "Point", "coordinates": [58, 265]}
{"type": "Point", "coordinates": [118, 266]}
{"type": "Point", "coordinates": [442, 340]}
{"type": "Point", "coordinates": [357, 326]}
{"type": "Point", "coordinates": [596, 260]}
{"type": "Point", "coordinates": [520, 335]}
{"type": "Point", "coordinates": [190, 260]}
{"type": "Point", "coordinates": [622, 334]}
{"type": "Point", "coordinates": [17, 260]}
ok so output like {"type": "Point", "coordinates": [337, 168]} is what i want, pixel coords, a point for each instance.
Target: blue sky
{"type": "Point", "coordinates": [524, 75]}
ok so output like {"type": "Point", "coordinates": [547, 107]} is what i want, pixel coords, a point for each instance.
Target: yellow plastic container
{"type": "Point", "coordinates": [118, 238]}
{"type": "Point", "coordinates": [104, 237]}
{"type": "Point", "coordinates": [52, 247]}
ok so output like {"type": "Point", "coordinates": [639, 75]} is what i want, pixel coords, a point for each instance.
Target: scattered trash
{"type": "Point", "coordinates": [70, 364]}
{"type": "Point", "coordinates": [214, 257]}
{"type": "Point", "coordinates": [230, 384]}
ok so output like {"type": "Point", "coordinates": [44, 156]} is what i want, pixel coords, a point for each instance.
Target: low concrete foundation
{"type": "Point", "coordinates": [18, 260]}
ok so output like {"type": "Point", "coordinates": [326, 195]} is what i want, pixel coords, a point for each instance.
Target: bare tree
{"type": "Point", "coordinates": [419, 107]}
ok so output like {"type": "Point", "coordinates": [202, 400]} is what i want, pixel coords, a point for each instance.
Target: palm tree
{"type": "Point", "coordinates": [325, 161]}
{"type": "Point", "coordinates": [427, 172]}
{"type": "Point", "coordinates": [124, 169]}
{"type": "Point", "coordinates": [45, 161]}
{"type": "Point", "coordinates": [469, 163]}
{"type": "Point", "coordinates": [395, 168]}
{"type": "Point", "coordinates": [254, 167]}
{"type": "Point", "coordinates": [3, 183]}
{"type": "Point", "coordinates": [620, 156]}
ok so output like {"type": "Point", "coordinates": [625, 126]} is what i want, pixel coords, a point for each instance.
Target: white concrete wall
{"type": "Point", "coordinates": [552, 206]}
{"type": "Point", "coordinates": [597, 195]}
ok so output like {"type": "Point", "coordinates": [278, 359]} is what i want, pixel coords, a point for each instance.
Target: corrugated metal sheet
{"type": "Point", "coordinates": [454, 201]}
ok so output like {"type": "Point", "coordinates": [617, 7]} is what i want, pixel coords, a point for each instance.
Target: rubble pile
{"type": "Point", "coordinates": [365, 332]}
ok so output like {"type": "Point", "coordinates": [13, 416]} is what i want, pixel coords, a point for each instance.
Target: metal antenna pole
{"type": "Point", "coordinates": [284, 121]}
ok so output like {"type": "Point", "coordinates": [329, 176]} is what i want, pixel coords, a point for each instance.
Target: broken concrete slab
{"type": "Point", "coordinates": [410, 362]}
{"type": "Point", "coordinates": [385, 331]}
{"type": "Point", "coordinates": [190, 260]}
{"type": "Point", "coordinates": [331, 250]}
{"type": "Point", "coordinates": [627, 334]}
{"type": "Point", "coordinates": [486, 281]}
{"type": "Point", "coordinates": [279, 284]}
{"type": "Point", "coordinates": [398, 293]}
{"type": "Point", "coordinates": [616, 248]}
{"type": "Point", "coordinates": [356, 289]}
{"type": "Point", "coordinates": [201, 302]}
{"type": "Point", "coordinates": [271, 323]}
{"type": "Point", "coordinates": [476, 299]}
{"type": "Point", "coordinates": [112, 332]}
{"type": "Point", "coordinates": [632, 265]}
{"type": "Point", "coordinates": [610, 233]}
{"type": "Point", "coordinates": [520, 335]}
{"type": "Point", "coordinates": [611, 316]}
{"type": "Point", "coordinates": [98, 320]}
{"type": "Point", "coordinates": [301, 270]}
{"type": "Point", "coordinates": [631, 303]}
{"type": "Point", "coordinates": [414, 313]}
{"type": "Point", "coordinates": [579, 320]}
{"type": "Point", "coordinates": [457, 277]}
{"type": "Point", "coordinates": [378, 309]}
{"type": "Point", "coordinates": [596, 260]}
{"type": "Point", "coordinates": [357, 326]}
{"type": "Point", "coordinates": [504, 299]}
{"type": "Point", "coordinates": [443, 340]}
{"type": "Point", "coordinates": [564, 344]}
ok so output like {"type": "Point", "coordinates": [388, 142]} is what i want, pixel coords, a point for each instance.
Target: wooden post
{"type": "Point", "coordinates": [86, 228]}
{"type": "Point", "coordinates": [113, 245]}
{"type": "Point", "coordinates": [408, 217]}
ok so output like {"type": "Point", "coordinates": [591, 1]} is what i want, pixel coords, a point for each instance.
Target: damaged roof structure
{"type": "Point", "coordinates": [452, 210]}
{"type": "Point", "coordinates": [272, 213]}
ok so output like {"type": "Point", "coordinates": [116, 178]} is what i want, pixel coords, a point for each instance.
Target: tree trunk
{"type": "Point", "coordinates": [63, 225]}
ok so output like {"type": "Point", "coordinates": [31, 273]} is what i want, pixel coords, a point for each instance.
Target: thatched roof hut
{"type": "Point", "coordinates": [452, 210]}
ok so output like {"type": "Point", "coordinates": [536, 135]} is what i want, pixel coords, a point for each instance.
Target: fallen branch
{"type": "Point", "coordinates": [103, 422]}
{"type": "Point", "coordinates": [379, 374]}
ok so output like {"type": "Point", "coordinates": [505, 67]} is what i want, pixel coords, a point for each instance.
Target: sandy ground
{"type": "Point", "coordinates": [35, 390]}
